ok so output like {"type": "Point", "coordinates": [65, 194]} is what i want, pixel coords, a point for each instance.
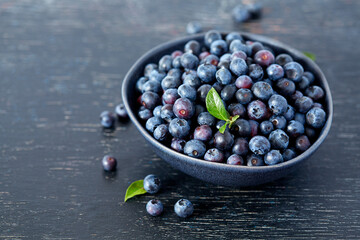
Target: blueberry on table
{"type": "Point", "coordinates": [170, 96]}
{"type": "Point", "coordinates": [283, 59]}
{"type": "Point", "coordinates": [288, 154]}
{"type": "Point", "coordinates": [259, 145]}
{"type": "Point", "coordinates": [241, 146]}
{"type": "Point", "coordinates": [109, 163]}
{"type": "Point", "coordinates": [107, 119]}
{"type": "Point", "coordinates": [255, 9]}
{"type": "Point", "coordinates": [189, 61]}
{"type": "Point", "coordinates": [262, 90]}
{"type": "Point", "coordinates": [256, 72]}
{"type": "Point", "coordinates": [278, 104]}
{"type": "Point", "coordinates": [150, 100]}
{"type": "Point", "coordinates": [316, 117]}
{"type": "Point", "coordinates": [295, 129]}
{"type": "Point", "coordinates": [293, 71]}
{"type": "Point", "coordinates": [184, 108]}
{"type": "Point", "coordinates": [233, 36]}
{"type": "Point", "coordinates": [241, 14]}
{"type": "Point", "coordinates": [279, 139]}
{"type": "Point", "coordinates": [179, 128]}
{"type": "Point", "coordinates": [205, 118]}
{"type": "Point", "coordinates": [195, 148]}
{"type": "Point", "coordinates": [223, 76]}
{"type": "Point", "coordinates": [275, 72]}
{"type": "Point", "coordinates": [152, 184]}
{"type": "Point", "coordinates": [266, 127]}
{"type": "Point", "coordinates": [206, 72]}
{"type": "Point", "coordinates": [121, 112]}
{"type": "Point", "coordinates": [302, 143]}
{"type": "Point", "coordinates": [278, 121]}
{"type": "Point", "coordinates": [203, 133]}
{"type": "Point", "coordinates": [235, 159]}
{"type": "Point", "coordinates": [214, 155]}
{"type": "Point", "coordinates": [154, 207]}
{"type": "Point", "coordinates": [257, 110]}
{"type": "Point", "coordinates": [187, 91]}
{"type": "Point", "coordinates": [193, 28]}
{"type": "Point", "coordinates": [211, 36]}
{"type": "Point", "coordinates": [184, 208]}
{"type": "Point", "coordinates": [304, 104]}
{"type": "Point", "coordinates": [238, 66]}
{"type": "Point", "coordinates": [244, 95]}
{"type": "Point", "coordinates": [254, 160]}
{"type": "Point", "coordinates": [178, 144]}
{"type": "Point", "coordinates": [161, 132]}
{"type": "Point", "coordinates": [314, 92]}
{"type": "Point", "coordinates": [223, 141]}
{"type": "Point", "coordinates": [273, 157]}
{"type": "Point", "coordinates": [264, 58]}
{"type": "Point", "coordinates": [218, 47]}
{"type": "Point", "coordinates": [152, 123]}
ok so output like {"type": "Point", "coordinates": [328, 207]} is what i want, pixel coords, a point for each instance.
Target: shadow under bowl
{"type": "Point", "coordinates": [219, 173]}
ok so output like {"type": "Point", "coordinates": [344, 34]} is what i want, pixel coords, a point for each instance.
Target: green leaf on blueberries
{"type": "Point", "coordinates": [136, 188]}
{"type": "Point", "coordinates": [310, 55]}
{"type": "Point", "coordinates": [215, 106]}
{"type": "Point", "coordinates": [223, 128]}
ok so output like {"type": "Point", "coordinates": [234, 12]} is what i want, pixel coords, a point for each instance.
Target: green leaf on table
{"type": "Point", "coordinates": [223, 128]}
{"type": "Point", "coordinates": [136, 188]}
{"type": "Point", "coordinates": [310, 55]}
{"type": "Point", "coordinates": [215, 105]}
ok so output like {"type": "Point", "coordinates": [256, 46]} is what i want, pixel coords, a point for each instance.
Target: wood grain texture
{"type": "Point", "coordinates": [62, 63]}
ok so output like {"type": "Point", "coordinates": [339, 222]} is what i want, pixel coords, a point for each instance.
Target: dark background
{"type": "Point", "coordinates": [62, 63]}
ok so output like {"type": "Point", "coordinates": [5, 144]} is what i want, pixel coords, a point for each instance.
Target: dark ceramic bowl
{"type": "Point", "coordinates": [219, 173]}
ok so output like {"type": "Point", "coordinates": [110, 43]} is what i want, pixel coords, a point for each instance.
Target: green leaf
{"type": "Point", "coordinates": [310, 55]}
{"type": "Point", "coordinates": [136, 188]}
{"type": "Point", "coordinates": [215, 106]}
{"type": "Point", "coordinates": [223, 128]}
{"type": "Point", "coordinates": [233, 119]}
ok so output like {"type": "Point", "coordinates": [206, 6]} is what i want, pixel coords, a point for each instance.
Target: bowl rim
{"type": "Point", "coordinates": [268, 41]}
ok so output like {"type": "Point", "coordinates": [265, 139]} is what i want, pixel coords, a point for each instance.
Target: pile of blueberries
{"type": "Point", "coordinates": [280, 106]}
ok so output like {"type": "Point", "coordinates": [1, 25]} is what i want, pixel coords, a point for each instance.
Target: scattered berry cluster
{"type": "Point", "coordinates": [108, 119]}
{"type": "Point", "coordinates": [279, 104]}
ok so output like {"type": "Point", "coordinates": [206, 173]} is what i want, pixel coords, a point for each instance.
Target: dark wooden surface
{"type": "Point", "coordinates": [62, 63]}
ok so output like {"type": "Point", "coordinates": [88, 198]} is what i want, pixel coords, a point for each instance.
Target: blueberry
{"type": "Point", "coordinates": [226, 57]}
{"type": "Point", "coordinates": [161, 132]}
{"type": "Point", "coordinates": [176, 53]}
{"type": "Point", "coordinates": [156, 75]}
{"type": "Point", "coordinates": [302, 143]}
{"type": "Point", "coordinates": [219, 124]}
{"type": "Point", "coordinates": [140, 83]}
{"type": "Point", "coordinates": [309, 76]}
{"type": "Point", "coordinates": [318, 105]}
{"type": "Point", "coordinates": [310, 133]}
{"type": "Point", "coordinates": [304, 83]}
{"type": "Point", "coordinates": [241, 146]}
{"type": "Point", "coordinates": [235, 159]}
{"type": "Point", "coordinates": [189, 73]}
{"type": "Point", "coordinates": [223, 141]}
{"type": "Point", "coordinates": [283, 59]}
{"type": "Point", "coordinates": [170, 82]}
{"type": "Point", "coordinates": [184, 108]}
{"type": "Point", "coordinates": [278, 121]}
{"type": "Point", "coordinates": [238, 66]}
{"type": "Point", "coordinates": [288, 154]}
{"type": "Point", "coordinates": [144, 113]}
{"type": "Point", "coordinates": [107, 119]}
{"type": "Point", "coordinates": [170, 96]}
{"type": "Point", "coordinates": [189, 61]}
{"type": "Point", "coordinates": [184, 208]}
{"type": "Point", "coordinates": [176, 73]}
{"type": "Point", "coordinates": [109, 163]}
{"type": "Point", "coordinates": [314, 92]}
{"type": "Point", "coordinates": [273, 157]}
{"type": "Point", "coordinates": [279, 139]}
{"type": "Point", "coordinates": [203, 91]}
{"type": "Point", "coordinates": [211, 36]}
{"type": "Point", "coordinates": [293, 71]}
{"type": "Point", "coordinates": [264, 58]}
{"type": "Point", "coordinates": [193, 28]}
{"type": "Point", "coordinates": [186, 91]}
{"type": "Point", "coordinates": [237, 45]}
{"type": "Point", "coordinates": [152, 86]}
{"type": "Point", "coordinates": [218, 47]}
{"type": "Point", "coordinates": [214, 155]}
{"type": "Point", "coordinates": [150, 100]}
{"type": "Point", "coordinates": [257, 110]}
{"type": "Point", "coordinates": [296, 95]}
{"type": "Point", "coordinates": [178, 144]}
{"type": "Point", "coordinates": [285, 87]}
{"type": "Point", "coordinates": [228, 92]}
{"type": "Point", "coordinates": [195, 148]}
{"type": "Point", "coordinates": [199, 109]}
{"type": "Point", "coordinates": [193, 47]}
{"type": "Point", "coordinates": [304, 104]}
{"type": "Point", "coordinates": [211, 59]}
{"type": "Point", "coordinates": [255, 9]}
{"type": "Point", "coordinates": [203, 133]}
{"type": "Point", "coordinates": [233, 36]}
{"type": "Point", "coordinates": [206, 118]}
{"type": "Point", "coordinates": [275, 72]}
{"type": "Point", "coordinates": [121, 112]}
{"type": "Point", "coordinates": [295, 129]}
{"type": "Point", "coordinates": [176, 62]}
{"type": "Point", "coordinates": [256, 72]}
{"type": "Point", "coordinates": [277, 104]}
{"type": "Point", "coordinates": [255, 47]}
{"type": "Point", "coordinates": [262, 90]}
{"type": "Point", "coordinates": [157, 111]}
{"type": "Point", "coordinates": [152, 184]}
{"type": "Point", "coordinates": [241, 13]}
{"type": "Point", "coordinates": [300, 117]}
{"type": "Point", "coordinates": [316, 117]}
{"type": "Point", "coordinates": [242, 128]}
{"type": "Point", "coordinates": [165, 63]}
{"type": "Point", "coordinates": [152, 123]}
{"type": "Point", "coordinates": [192, 81]}
{"type": "Point", "coordinates": [218, 87]}
{"type": "Point", "coordinates": [167, 113]}
{"type": "Point", "coordinates": [244, 95]}
{"type": "Point", "coordinates": [179, 128]}
{"type": "Point", "coordinates": [149, 68]}
{"type": "Point", "coordinates": [254, 126]}
{"type": "Point", "coordinates": [206, 72]}
{"type": "Point", "coordinates": [203, 55]}
{"type": "Point", "coordinates": [223, 76]}
{"type": "Point", "coordinates": [259, 145]}
{"type": "Point", "coordinates": [154, 207]}
{"type": "Point", "coordinates": [254, 160]}
{"type": "Point", "coordinates": [266, 127]}
{"type": "Point", "coordinates": [244, 81]}
{"type": "Point", "coordinates": [237, 109]}
{"type": "Point", "coordinates": [290, 113]}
